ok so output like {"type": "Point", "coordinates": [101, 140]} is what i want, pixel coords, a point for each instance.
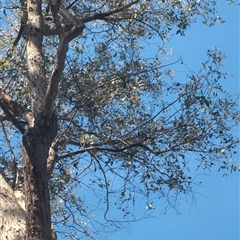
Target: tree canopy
{"type": "Point", "coordinates": [79, 87]}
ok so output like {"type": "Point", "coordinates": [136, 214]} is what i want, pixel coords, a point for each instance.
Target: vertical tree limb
{"type": "Point", "coordinates": [52, 89]}
{"type": "Point", "coordinates": [36, 65]}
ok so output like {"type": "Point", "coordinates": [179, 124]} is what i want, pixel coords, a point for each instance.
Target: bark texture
{"type": "Point", "coordinates": [35, 59]}
{"type": "Point", "coordinates": [36, 145]}
{"type": "Point", "coordinates": [38, 138]}
{"type": "Point", "coordinates": [12, 214]}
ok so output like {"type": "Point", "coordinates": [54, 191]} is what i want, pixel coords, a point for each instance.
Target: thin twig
{"type": "Point", "coordinates": [13, 157]}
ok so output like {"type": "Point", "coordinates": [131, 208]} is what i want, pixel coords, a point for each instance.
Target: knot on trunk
{"type": "Point", "coordinates": [38, 139]}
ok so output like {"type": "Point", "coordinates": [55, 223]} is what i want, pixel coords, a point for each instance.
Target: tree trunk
{"type": "Point", "coordinates": [12, 213]}
{"type": "Point", "coordinates": [36, 144]}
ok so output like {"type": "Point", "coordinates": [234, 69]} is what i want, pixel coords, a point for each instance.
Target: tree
{"type": "Point", "coordinates": [84, 107]}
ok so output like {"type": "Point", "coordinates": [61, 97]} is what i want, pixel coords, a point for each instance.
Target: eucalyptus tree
{"type": "Point", "coordinates": [91, 120]}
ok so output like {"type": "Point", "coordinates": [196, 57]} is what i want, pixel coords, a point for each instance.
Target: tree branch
{"type": "Point", "coordinates": [35, 59]}
{"type": "Point", "coordinates": [47, 31]}
{"type": "Point", "coordinates": [102, 16]}
{"type": "Point", "coordinates": [24, 20]}
{"type": "Point", "coordinates": [64, 39]}
{"type": "Point", "coordinates": [12, 119]}
{"type": "Point", "coordinates": [15, 173]}
{"type": "Point", "coordinates": [93, 147]}
{"type": "Point", "coordinates": [52, 90]}
{"type": "Point", "coordinates": [51, 160]}
{"type": "Point", "coordinates": [55, 6]}
{"type": "Point", "coordinates": [13, 110]}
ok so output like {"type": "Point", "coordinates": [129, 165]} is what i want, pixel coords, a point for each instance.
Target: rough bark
{"type": "Point", "coordinates": [38, 138]}
{"type": "Point", "coordinates": [36, 145]}
{"type": "Point", "coordinates": [12, 214]}
{"type": "Point", "coordinates": [35, 59]}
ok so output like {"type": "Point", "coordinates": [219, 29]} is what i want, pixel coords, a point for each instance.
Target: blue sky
{"type": "Point", "coordinates": [216, 213]}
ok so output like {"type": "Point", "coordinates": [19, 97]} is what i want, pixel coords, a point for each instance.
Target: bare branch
{"type": "Point", "coordinates": [71, 4]}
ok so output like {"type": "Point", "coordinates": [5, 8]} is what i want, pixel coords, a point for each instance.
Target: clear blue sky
{"type": "Point", "coordinates": [216, 216]}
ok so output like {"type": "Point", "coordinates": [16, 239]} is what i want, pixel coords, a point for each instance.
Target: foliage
{"type": "Point", "coordinates": [127, 128]}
